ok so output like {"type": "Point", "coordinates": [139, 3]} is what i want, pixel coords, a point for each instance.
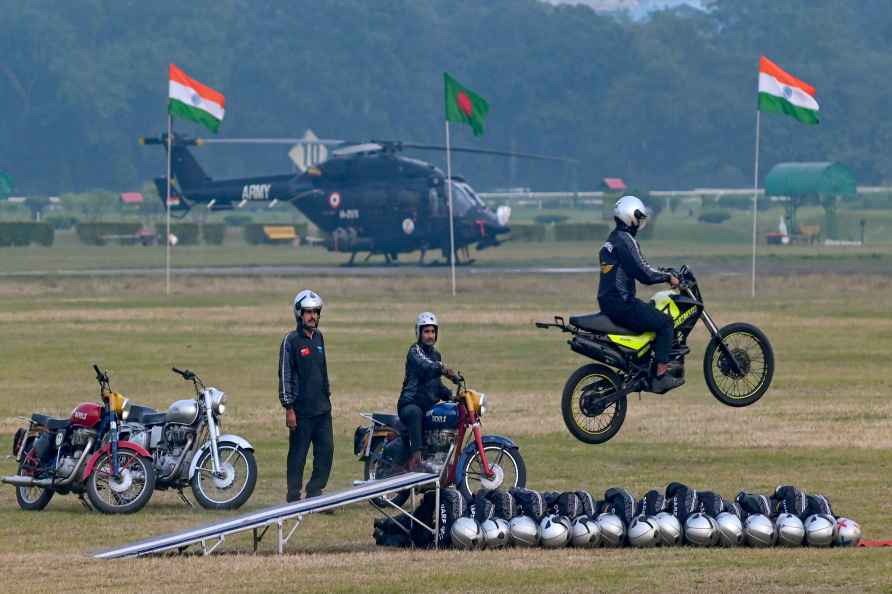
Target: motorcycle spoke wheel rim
{"type": "Point", "coordinates": [495, 456]}
{"type": "Point", "coordinates": [747, 350]}
{"type": "Point", "coordinates": [208, 483]}
{"type": "Point", "coordinates": [103, 479]}
{"type": "Point", "coordinates": [593, 424]}
{"type": "Point", "coordinates": [29, 494]}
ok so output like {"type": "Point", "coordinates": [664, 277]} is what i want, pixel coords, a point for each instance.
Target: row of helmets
{"type": "Point", "coordinates": [679, 515]}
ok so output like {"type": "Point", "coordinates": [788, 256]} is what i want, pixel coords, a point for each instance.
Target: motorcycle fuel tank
{"type": "Point", "coordinates": [86, 415]}
{"type": "Point", "coordinates": [442, 416]}
{"type": "Point", "coordinates": [182, 411]}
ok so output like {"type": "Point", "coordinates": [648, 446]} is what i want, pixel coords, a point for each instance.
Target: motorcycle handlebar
{"type": "Point", "coordinates": [185, 373]}
{"type": "Point", "coordinates": [100, 375]}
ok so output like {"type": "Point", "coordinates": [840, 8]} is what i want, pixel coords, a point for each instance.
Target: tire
{"type": "Point", "coordinates": [370, 473]}
{"type": "Point", "coordinates": [202, 482]}
{"type": "Point", "coordinates": [31, 498]}
{"type": "Point", "coordinates": [495, 455]}
{"type": "Point", "coordinates": [614, 414]}
{"type": "Point", "coordinates": [753, 351]}
{"type": "Point", "coordinates": [98, 483]}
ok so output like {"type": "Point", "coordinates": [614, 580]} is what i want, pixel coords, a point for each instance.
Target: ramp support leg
{"type": "Point", "coordinates": [258, 537]}
{"type": "Point", "coordinates": [207, 550]}
{"type": "Point", "coordinates": [282, 539]}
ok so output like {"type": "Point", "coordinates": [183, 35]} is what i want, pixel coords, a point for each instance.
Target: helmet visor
{"type": "Point", "coordinates": [641, 219]}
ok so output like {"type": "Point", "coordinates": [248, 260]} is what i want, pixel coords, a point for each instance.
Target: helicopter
{"type": "Point", "coordinates": [366, 196]}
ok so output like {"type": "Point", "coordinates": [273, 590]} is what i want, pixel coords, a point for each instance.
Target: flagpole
{"type": "Point", "coordinates": [449, 194]}
{"type": "Point", "coordinates": [755, 197]}
{"type": "Point", "coordinates": [167, 208]}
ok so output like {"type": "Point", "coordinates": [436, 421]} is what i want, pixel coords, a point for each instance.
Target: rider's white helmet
{"type": "Point", "coordinates": [425, 318]}
{"type": "Point", "coordinates": [670, 529]}
{"type": "Point", "coordinates": [790, 530]}
{"type": "Point", "coordinates": [820, 530]}
{"type": "Point", "coordinates": [760, 531]}
{"type": "Point", "coordinates": [644, 532]}
{"type": "Point", "coordinates": [701, 530]}
{"type": "Point", "coordinates": [466, 534]}
{"type": "Point", "coordinates": [584, 533]}
{"type": "Point", "coordinates": [730, 530]}
{"type": "Point", "coordinates": [524, 531]}
{"type": "Point", "coordinates": [613, 531]}
{"type": "Point", "coordinates": [848, 533]}
{"type": "Point", "coordinates": [495, 533]}
{"type": "Point", "coordinates": [554, 531]}
{"type": "Point", "coordinates": [306, 299]}
{"type": "Point", "coordinates": [631, 211]}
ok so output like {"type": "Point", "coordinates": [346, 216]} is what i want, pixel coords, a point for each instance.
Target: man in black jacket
{"type": "Point", "coordinates": [306, 397]}
{"type": "Point", "coordinates": [621, 265]}
{"type": "Point", "coordinates": [422, 386]}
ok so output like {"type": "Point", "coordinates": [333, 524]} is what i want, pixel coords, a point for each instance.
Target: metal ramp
{"type": "Point", "coordinates": [210, 536]}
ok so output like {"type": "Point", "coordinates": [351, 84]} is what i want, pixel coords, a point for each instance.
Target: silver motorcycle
{"type": "Point", "coordinates": [188, 449]}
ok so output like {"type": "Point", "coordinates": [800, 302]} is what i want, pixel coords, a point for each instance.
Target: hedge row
{"type": "Point", "coordinates": [23, 233]}
{"type": "Point", "coordinates": [560, 232]}
{"type": "Point", "coordinates": [97, 233]}
{"type": "Point", "coordinates": [186, 233]}
{"type": "Point", "coordinates": [253, 232]}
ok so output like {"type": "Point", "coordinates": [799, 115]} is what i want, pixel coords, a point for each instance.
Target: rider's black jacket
{"type": "Point", "coordinates": [422, 384]}
{"type": "Point", "coordinates": [303, 374]}
{"type": "Point", "coordinates": [621, 265]}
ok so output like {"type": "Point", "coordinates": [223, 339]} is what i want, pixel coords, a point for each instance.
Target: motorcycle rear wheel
{"type": "Point", "coordinates": [584, 426]}
{"type": "Point", "coordinates": [105, 498]}
{"type": "Point", "coordinates": [371, 472]}
{"type": "Point", "coordinates": [31, 498]}
{"type": "Point", "coordinates": [755, 365]}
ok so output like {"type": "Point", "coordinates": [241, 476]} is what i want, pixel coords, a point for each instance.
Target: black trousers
{"type": "Point", "coordinates": [310, 430]}
{"type": "Point", "coordinates": [639, 316]}
{"type": "Point", "coordinates": [411, 416]}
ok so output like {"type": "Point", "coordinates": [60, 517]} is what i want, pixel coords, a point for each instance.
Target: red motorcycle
{"type": "Point", "coordinates": [83, 454]}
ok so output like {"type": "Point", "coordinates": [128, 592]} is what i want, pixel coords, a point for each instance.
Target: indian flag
{"type": "Point", "coordinates": [194, 101]}
{"type": "Point", "coordinates": [781, 92]}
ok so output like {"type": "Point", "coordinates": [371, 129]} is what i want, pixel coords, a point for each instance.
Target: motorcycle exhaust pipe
{"type": "Point", "coordinates": [48, 483]}
{"type": "Point", "coordinates": [599, 352]}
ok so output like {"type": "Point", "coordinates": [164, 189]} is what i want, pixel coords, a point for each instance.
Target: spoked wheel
{"type": "Point", "coordinates": [126, 493]}
{"type": "Point", "coordinates": [374, 469]}
{"type": "Point", "coordinates": [235, 483]}
{"type": "Point", "coordinates": [589, 420]}
{"type": "Point", "coordinates": [31, 498]}
{"type": "Point", "coordinates": [507, 467]}
{"type": "Point", "coordinates": [740, 374]}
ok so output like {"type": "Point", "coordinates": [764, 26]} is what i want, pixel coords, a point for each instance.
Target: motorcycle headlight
{"type": "Point", "coordinates": [474, 401]}
{"type": "Point", "coordinates": [482, 404]}
{"type": "Point", "coordinates": [217, 400]}
{"type": "Point", "coordinates": [125, 410]}
{"type": "Point", "coordinates": [119, 404]}
{"type": "Point", "coordinates": [60, 437]}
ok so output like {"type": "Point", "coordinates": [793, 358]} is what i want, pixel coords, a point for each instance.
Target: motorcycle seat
{"type": "Point", "coordinates": [154, 418]}
{"type": "Point", "coordinates": [138, 413]}
{"type": "Point", "coordinates": [391, 420]}
{"type": "Point", "coordinates": [49, 422]}
{"type": "Point", "coordinates": [598, 322]}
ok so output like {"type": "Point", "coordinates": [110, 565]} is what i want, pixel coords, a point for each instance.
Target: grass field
{"type": "Point", "coordinates": [824, 425]}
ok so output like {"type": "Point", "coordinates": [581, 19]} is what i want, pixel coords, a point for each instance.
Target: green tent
{"type": "Point", "coordinates": [824, 183]}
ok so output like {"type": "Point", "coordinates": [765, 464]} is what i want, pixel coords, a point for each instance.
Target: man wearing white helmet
{"type": "Point", "coordinates": [621, 265]}
{"type": "Point", "coordinates": [306, 397]}
{"type": "Point", "coordinates": [422, 386]}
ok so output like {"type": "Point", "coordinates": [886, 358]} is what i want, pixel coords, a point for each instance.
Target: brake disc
{"type": "Point", "coordinates": [741, 357]}
{"type": "Point", "coordinates": [498, 477]}
{"type": "Point", "coordinates": [122, 483]}
{"type": "Point", "coordinates": [227, 470]}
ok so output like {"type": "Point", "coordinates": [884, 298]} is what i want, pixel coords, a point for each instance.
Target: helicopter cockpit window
{"type": "Point", "coordinates": [472, 194]}
{"type": "Point", "coordinates": [463, 199]}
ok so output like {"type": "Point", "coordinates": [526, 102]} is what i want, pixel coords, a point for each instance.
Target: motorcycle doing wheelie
{"type": "Point", "coordinates": [738, 364]}
{"type": "Point", "coordinates": [189, 450]}
{"type": "Point", "coordinates": [85, 453]}
{"type": "Point", "coordinates": [485, 461]}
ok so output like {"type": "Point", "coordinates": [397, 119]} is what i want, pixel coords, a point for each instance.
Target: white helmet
{"type": "Point", "coordinates": [306, 299]}
{"type": "Point", "coordinates": [790, 530]}
{"type": "Point", "coordinates": [644, 532]}
{"type": "Point", "coordinates": [820, 530]}
{"type": "Point", "coordinates": [524, 531]}
{"type": "Point", "coordinates": [670, 529]}
{"type": "Point", "coordinates": [701, 530]}
{"type": "Point", "coordinates": [631, 211]}
{"type": "Point", "coordinates": [583, 532]}
{"type": "Point", "coordinates": [425, 318]}
{"type": "Point", "coordinates": [759, 531]}
{"type": "Point", "coordinates": [848, 533]}
{"type": "Point", "coordinates": [466, 534]}
{"type": "Point", "coordinates": [730, 529]}
{"type": "Point", "coordinates": [554, 531]}
{"type": "Point", "coordinates": [613, 531]}
{"type": "Point", "coordinates": [495, 533]}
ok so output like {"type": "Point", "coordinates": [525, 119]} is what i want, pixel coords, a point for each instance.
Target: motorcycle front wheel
{"type": "Point", "coordinates": [31, 498]}
{"type": "Point", "coordinates": [506, 463]}
{"type": "Point", "coordinates": [587, 424]}
{"type": "Point", "coordinates": [747, 381]}
{"type": "Point", "coordinates": [126, 493]}
{"type": "Point", "coordinates": [234, 487]}
{"type": "Point", "coordinates": [373, 470]}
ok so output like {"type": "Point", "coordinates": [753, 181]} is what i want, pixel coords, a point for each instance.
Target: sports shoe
{"type": "Point", "coordinates": [664, 383]}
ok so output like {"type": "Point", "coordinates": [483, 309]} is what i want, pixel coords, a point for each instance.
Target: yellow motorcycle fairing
{"type": "Point", "coordinates": [639, 342]}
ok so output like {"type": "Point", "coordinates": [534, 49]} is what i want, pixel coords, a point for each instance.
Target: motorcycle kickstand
{"type": "Point", "coordinates": [184, 498]}
{"type": "Point", "coordinates": [85, 503]}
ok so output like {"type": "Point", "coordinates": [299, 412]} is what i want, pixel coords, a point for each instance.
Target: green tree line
{"type": "Point", "coordinates": [664, 102]}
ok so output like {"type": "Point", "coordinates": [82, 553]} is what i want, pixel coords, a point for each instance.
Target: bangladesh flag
{"type": "Point", "coordinates": [464, 105]}
{"type": "Point", "coordinates": [781, 92]}
{"type": "Point", "coordinates": [194, 101]}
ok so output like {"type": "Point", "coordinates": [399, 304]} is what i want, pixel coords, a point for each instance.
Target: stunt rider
{"type": "Point", "coordinates": [621, 265]}
{"type": "Point", "coordinates": [422, 386]}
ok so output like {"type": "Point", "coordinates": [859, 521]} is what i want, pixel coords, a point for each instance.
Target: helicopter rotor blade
{"type": "Point", "coordinates": [290, 141]}
{"type": "Point", "coordinates": [459, 149]}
